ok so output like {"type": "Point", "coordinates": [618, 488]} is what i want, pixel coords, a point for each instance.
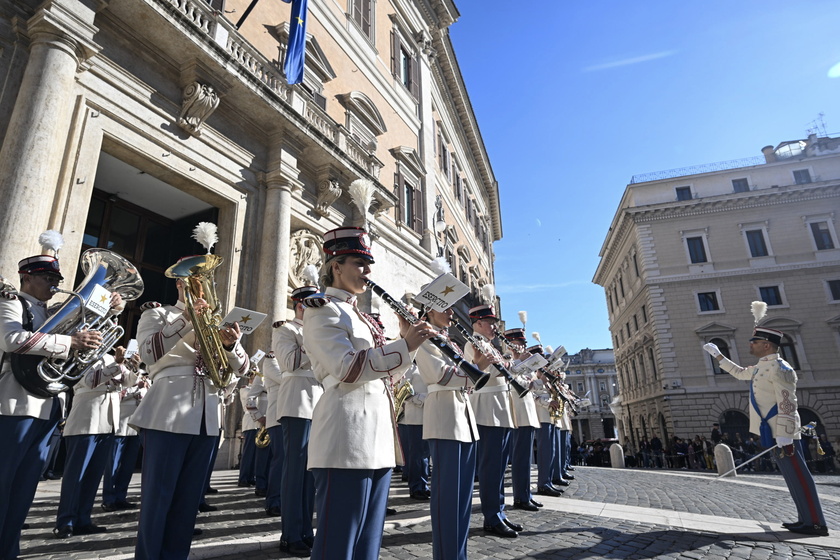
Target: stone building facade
{"type": "Point", "coordinates": [591, 374]}
{"type": "Point", "coordinates": [123, 124]}
{"type": "Point", "coordinates": [686, 254]}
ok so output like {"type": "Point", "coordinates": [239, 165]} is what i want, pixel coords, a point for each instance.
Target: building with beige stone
{"type": "Point", "coordinates": [688, 251]}
{"type": "Point", "coordinates": [123, 124]}
{"type": "Point", "coordinates": [591, 374]}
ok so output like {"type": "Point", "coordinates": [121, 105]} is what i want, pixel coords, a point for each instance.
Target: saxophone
{"type": "Point", "coordinates": [198, 275]}
{"type": "Point", "coordinates": [401, 394]}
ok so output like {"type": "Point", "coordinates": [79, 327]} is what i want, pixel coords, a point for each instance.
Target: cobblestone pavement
{"type": "Point", "coordinates": [605, 513]}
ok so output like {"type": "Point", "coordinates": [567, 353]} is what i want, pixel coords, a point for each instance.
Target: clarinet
{"type": "Point", "coordinates": [478, 377]}
{"type": "Point", "coordinates": [557, 383]}
{"type": "Point", "coordinates": [520, 390]}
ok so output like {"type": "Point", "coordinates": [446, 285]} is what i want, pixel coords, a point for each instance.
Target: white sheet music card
{"type": "Point", "coordinates": [442, 292]}
{"type": "Point", "coordinates": [258, 355]}
{"type": "Point", "coordinates": [132, 348]}
{"type": "Point", "coordinates": [535, 362]}
{"type": "Point", "coordinates": [99, 301]}
{"type": "Point", "coordinates": [248, 320]}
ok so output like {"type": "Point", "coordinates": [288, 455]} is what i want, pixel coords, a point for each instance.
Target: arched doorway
{"type": "Point", "coordinates": [734, 422]}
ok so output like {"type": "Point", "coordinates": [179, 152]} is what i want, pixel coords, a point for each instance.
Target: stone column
{"type": "Point", "coordinates": [273, 279]}
{"type": "Point", "coordinates": [61, 40]}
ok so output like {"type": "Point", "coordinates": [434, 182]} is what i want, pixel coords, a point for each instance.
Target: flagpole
{"type": "Point", "coordinates": [247, 13]}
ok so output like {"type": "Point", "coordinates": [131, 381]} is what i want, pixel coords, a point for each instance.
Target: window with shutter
{"type": "Point", "coordinates": [361, 13]}
{"type": "Point", "coordinates": [398, 190]}
{"type": "Point", "coordinates": [419, 214]}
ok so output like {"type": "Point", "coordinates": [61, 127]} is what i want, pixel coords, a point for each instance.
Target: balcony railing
{"type": "Point", "coordinates": [697, 169]}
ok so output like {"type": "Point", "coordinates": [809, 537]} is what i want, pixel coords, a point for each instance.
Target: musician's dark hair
{"type": "Point", "coordinates": [327, 279]}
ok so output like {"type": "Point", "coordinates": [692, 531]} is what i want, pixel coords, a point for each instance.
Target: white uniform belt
{"type": "Point", "coordinates": [175, 371]}
{"type": "Point", "coordinates": [493, 389]}
{"type": "Point", "coordinates": [434, 388]}
{"type": "Point", "coordinates": [304, 373]}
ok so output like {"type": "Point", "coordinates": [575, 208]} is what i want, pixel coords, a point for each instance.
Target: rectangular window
{"type": "Point", "coordinates": [683, 193]}
{"type": "Point", "coordinates": [636, 265]}
{"type": "Point", "coordinates": [361, 14]}
{"type": "Point", "coordinates": [740, 185]}
{"type": "Point", "coordinates": [755, 239]}
{"type": "Point", "coordinates": [652, 362]}
{"type": "Point", "coordinates": [771, 295]}
{"type": "Point", "coordinates": [636, 321]}
{"type": "Point", "coordinates": [621, 285]}
{"type": "Point", "coordinates": [834, 289]}
{"type": "Point", "coordinates": [603, 386]}
{"type": "Point", "coordinates": [822, 236]}
{"type": "Point", "coordinates": [409, 209]}
{"type": "Point", "coordinates": [801, 176]}
{"type": "Point", "coordinates": [708, 301]}
{"type": "Point", "coordinates": [627, 326]}
{"type": "Point", "coordinates": [644, 314]}
{"type": "Point", "coordinates": [696, 250]}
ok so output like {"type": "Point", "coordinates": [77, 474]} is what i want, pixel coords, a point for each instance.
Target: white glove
{"type": "Point", "coordinates": [782, 441]}
{"type": "Point", "coordinates": [712, 349]}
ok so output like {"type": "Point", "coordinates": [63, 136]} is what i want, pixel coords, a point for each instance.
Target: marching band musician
{"type": "Point", "coordinates": [180, 423]}
{"type": "Point", "coordinates": [547, 409]}
{"type": "Point", "coordinates": [559, 473]}
{"type": "Point", "coordinates": [415, 447]}
{"type": "Point", "coordinates": [88, 435]}
{"type": "Point", "coordinates": [450, 428]}
{"type": "Point", "coordinates": [26, 420]}
{"type": "Point", "coordinates": [272, 376]}
{"type": "Point", "coordinates": [526, 420]}
{"type": "Point", "coordinates": [250, 418]}
{"type": "Point", "coordinates": [126, 447]}
{"type": "Point", "coordinates": [298, 394]}
{"type": "Point", "coordinates": [775, 418]}
{"type": "Point", "coordinates": [492, 408]}
{"type": "Point", "coordinates": [354, 444]}
{"type": "Point", "coordinates": [256, 403]}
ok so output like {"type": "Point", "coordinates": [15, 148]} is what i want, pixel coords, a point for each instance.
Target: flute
{"type": "Point", "coordinates": [478, 377]}
{"type": "Point", "coordinates": [520, 390]}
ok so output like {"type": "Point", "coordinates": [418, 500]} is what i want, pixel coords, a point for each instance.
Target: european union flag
{"type": "Point", "coordinates": [296, 51]}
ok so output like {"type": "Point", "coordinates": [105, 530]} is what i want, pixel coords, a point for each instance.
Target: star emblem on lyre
{"type": "Point", "coordinates": [103, 298]}
{"type": "Point", "coordinates": [447, 290]}
{"type": "Point", "coordinates": [245, 318]}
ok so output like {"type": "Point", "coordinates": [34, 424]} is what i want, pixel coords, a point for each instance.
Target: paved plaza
{"type": "Point", "coordinates": [605, 513]}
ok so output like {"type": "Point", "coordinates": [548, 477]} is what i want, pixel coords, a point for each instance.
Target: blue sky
{"type": "Point", "coordinates": [574, 98]}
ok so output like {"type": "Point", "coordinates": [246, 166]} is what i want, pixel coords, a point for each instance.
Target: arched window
{"type": "Point", "coordinates": [724, 349]}
{"type": "Point", "coordinates": [787, 351]}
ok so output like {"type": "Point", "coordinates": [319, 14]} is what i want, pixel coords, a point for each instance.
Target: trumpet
{"type": "Point", "coordinates": [478, 377]}
{"type": "Point", "coordinates": [520, 390]}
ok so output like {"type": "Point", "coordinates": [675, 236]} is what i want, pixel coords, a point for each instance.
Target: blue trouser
{"type": "Point", "coordinates": [801, 485]}
{"type": "Point", "coordinates": [298, 485]}
{"type": "Point", "coordinates": [416, 451]}
{"type": "Point", "coordinates": [210, 467]}
{"type": "Point", "coordinates": [247, 474]}
{"type": "Point", "coordinates": [120, 468]}
{"type": "Point", "coordinates": [24, 442]}
{"type": "Point", "coordinates": [567, 457]}
{"type": "Point", "coordinates": [451, 504]}
{"type": "Point", "coordinates": [493, 440]}
{"type": "Point", "coordinates": [274, 484]}
{"type": "Point", "coordinates": [54, 444]}
{"type": "Point", "coordinates": [174, 479]}
{"type": "Point", "coordinates": [87, 456]}
{"type": "Point", "coordinates": [546, 452]}
{"type": "Point", "coordinates": [560, 454]}
{"type": "Point", "coordinates": [351, 513]}
{"type": "Point", "coordinates": [522, 442]}
{"type": "Point", "coordinates": [262, 462]}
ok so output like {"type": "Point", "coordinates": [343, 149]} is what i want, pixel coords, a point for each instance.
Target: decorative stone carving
{"type": "Point", "coordinates": [328, 192]}
{"type": "Point", "coordinates": [199, 102]}
{"type": "Point", "coordinates": [304, 249]}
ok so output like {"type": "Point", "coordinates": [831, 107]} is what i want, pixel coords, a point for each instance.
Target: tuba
{"type": "Point", "coordinates": [199, 283]}
{"type": "Point", "coordinates": [47, 377]}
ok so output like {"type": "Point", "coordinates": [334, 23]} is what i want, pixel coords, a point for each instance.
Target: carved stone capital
{"type": "Point", "coordinates": [198, 104]}
{"type": "Point", "coordinates": [304, 249]}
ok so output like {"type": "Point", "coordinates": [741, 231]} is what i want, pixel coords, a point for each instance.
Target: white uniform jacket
{"type": "Point", "coordinates": [299, 391]}
{"type": "Point", "coordinates": [14, 399]}
{"type": "Point", "coordinates": [524, 408]}
{"type": "Point", "coordinates": [96, 399]}
{"type": "Point", "coordinates": [272, 376]}
{"type": "Point", "coordinates": [248, 421]}
{"type": "Point", "coordinates": [491, 403]}
{"type": "Point", "coordinates": [447, 412]}
{"type": "Point", "coordinates": [413, 407]}
{"type": "Point", "coordinates": [178, 398]}
{"type": "Point", "coordinates": [542, 399]}
{"type": "Point", "coordinates": [774, 383]}
{"type": "Point", "coordinates": [129, 402]}
{"type": "Point", "coordinates": [353, 424]}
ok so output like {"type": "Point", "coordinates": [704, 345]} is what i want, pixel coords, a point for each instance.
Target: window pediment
{"type": "Point", "coordinates": [316, 60]}
{"type": "Point", "coordinates": [362, 107]}
{"type": "Point", "coordinates": [408, 157]}
{"type": "Point", "coordinates": [714, 329]}
{"type": "Point", "coordinates": [464, 253]}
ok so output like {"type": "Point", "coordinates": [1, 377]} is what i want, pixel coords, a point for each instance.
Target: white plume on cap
{"type": "Point", "coordinates": [488, 293]}
{"type": "Point", "coordinates": [549, 350]}
{"type": "Point", "coordinates": [51, 240]}
{"type": "Point", "coordinates": [440, 266]}
{"type": "Point", "coordinates": [361, 191]}
{"type": "Point", "coordinates": [536, 336]}
{"type": "Point", "coordinates": [759, 309]}
{"type": "Point", "coordinates": [310, 274]}
{"type": "Point", "coordinates": [523, 317]}
{"type": "Point", "coordinates": [206, 234]}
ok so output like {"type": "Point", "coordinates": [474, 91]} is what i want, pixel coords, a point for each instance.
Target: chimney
{"type": "Point", "coordinates": [769, 154]}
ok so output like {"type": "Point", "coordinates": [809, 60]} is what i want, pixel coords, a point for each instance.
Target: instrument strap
{"type": "Point", "coordinates": [28, 320]}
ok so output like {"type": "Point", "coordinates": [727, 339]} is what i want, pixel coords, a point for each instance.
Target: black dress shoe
{"type": "Point", "coordinates": [273, 511]}
{"type": "Point", "coordinates": [560, 482]}
{"type": "Point", "coordinates": [205, 507]}
{"type": "Point", "coordinates": [211, 490]}
{"type": "Point", "coordinates": [501, 530]}
{"type": "Point", "coordinates": [242, 484]}
{"type": "Point", "coordinates": [298, 548]}
{"type": "Point", "coordinates": [536, 503]}
{"type": "Point", "coordinates": [197, 532]}
{"type": "Point", "coordinates": [419, 495]}
{"type": "Point", "coordinates": [570, 468]}
{"type": "Point", "coordinates": [89, 529]}
{"type": "Point", "coordinates": [568, 476]}
{"type": "Point", "coordinates": [788, 524]}
{"type": "Point", "coordinates": [390, 511]}
{"type": "Point", "coordinates": [123, 504]}
{"type": "Point", "coordinates": [63, 532]}
{"type": "Point", "coordinates": [309, 541]}
{"type": "Point", "coordinates": [546, 491]}
{"type": "Point", "coordinates": [260, 492]}
{"type": "Point", "coordinates": [808, 529]}
{"type": "Point", "coordinates": [109, 507]}
{"type": "Point", "coordinates": [25, 526]}
{"type": "Point", "coordinates": [527, 506]}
